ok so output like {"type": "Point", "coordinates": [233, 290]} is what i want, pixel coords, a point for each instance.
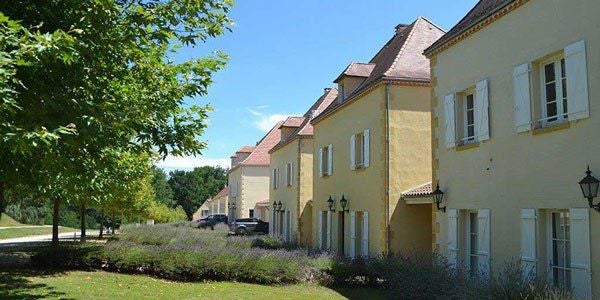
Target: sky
{"type": "Point", "coordinates": [283, 53]}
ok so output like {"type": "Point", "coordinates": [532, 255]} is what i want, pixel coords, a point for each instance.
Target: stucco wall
{"type": "Point", "coordinates": [254, 188]}
{"type": "Point", "coordinates": [288, 195]}
{"type": "Point", "coordinates": [512, 171]}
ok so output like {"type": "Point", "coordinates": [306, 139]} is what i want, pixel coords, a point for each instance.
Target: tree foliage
{"type": "Point", "coordinates": [192, 188]}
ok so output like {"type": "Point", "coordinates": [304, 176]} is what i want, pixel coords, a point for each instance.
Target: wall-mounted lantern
{"type": "Point", "coordinates": [279, 207]}
{"type": "Point", "coordinates": [344, 204]}
{"type": "Point", "coordinates": [330, 204]}
{"type": "Point", "coordinates": [589, 187]}
{"type": "Point", "coordinates": [438, 197]}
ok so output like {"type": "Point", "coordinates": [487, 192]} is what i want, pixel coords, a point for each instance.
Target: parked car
{"type": "Point", "coordinates": [249, 226]}
{"type": "Point", "coordinates": [211, 221]}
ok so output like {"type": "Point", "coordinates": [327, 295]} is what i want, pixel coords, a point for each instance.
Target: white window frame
{"type": "Point", "coordinates": [326, 164]}
{"type": "Point", "coordinates": [469, 251]}
{"type": "Point", "coordinates": [561, 102]}
{"type": "Point", "coordinates": [466, 138]}
{"type": "Point", "coordinates": [550, 253]}
{"type": "Point", "coordinates": [275, 178]}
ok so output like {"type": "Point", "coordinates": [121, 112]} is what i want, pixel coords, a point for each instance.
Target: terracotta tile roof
{"type": "Point", "coordinates": [260, 155]}
{"type": "Point", "coordinates": [423, 190]}
{"type": "Point", "coordinates": [482, 10]}
{"type": "Point", "coordinates": [356, 69]}
{"type": "Point", "coordinates": [306, 129]}
{"type": "Point", "coordinates": [293, 122]}
{"type": "Point", "coordinates": [223, 192]}
{"type": "Point", "coordinates": [400, 59]}
{"type": "Point", "coordinates": [246, 149]}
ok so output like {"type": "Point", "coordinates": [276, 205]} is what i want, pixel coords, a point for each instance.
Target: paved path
{"type": "Point", "coordinates": [48, 237]}
{"type": "Point", "coordinates": [25, 226]}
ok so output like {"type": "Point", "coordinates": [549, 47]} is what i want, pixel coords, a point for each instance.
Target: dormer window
{"type": "Point", "coordinates": [340, 93]}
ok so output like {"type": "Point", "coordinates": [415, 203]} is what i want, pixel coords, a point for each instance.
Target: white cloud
{"type": "Point", "coordinates": [265, 122]}
{"type": "Point", "coordinates": [190, 162]}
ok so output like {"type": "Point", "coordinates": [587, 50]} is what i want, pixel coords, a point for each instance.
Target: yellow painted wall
{"type": "Point", "coordinates": [365, 188]}
{"type": "Point", "coordinates": [252, 184]}
{"type": "Point", "coordinates": [294, 198]}
{"type": "Point", "coordinates": [512, 171]}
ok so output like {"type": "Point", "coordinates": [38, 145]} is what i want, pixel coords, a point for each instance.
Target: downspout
{"type": "Point", "coordinates": [298, 203]}
{"type": "Point", "coordinates": [387, 168]}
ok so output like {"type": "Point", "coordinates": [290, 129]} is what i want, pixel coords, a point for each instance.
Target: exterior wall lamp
{"type": "Point", "coordinates": [438, 196]}
{"type": "Point", "coordinates": [231, 205]}
{"type": "Point", "coordinates": [330, 204]}
{"type": "Point", "coordinates": [279, 206]}
{"type": "Point", "coordinates": [344, 204]}
{"type": "Point", "coordinates": [589, 187]}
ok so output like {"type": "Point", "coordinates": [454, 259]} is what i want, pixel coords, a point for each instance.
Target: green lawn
{"type": "Point", "coordinates": [16, 232]}
{"type": "Point", "coordinates": [7, 221]}
{"type": "Point", "coordinates": [104, 285]}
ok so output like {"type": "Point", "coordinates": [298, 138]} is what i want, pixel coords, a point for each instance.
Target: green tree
{"type": "Point", "coordinates": [192, 188]}
{"type": "Point", "coordinates": [162, 190]}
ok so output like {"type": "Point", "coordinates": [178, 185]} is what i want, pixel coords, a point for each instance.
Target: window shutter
{"type": "Point", "coordinates": [320, 162]}
{"type": "Point", "coordinates": [353, 152]}
{"type": "Point", "coordinates": [365, 235]}
{"type": "Point", "coordinates": [483, 240]}
{"type": "Point", "coordinates": [449, 101]}
{"type": "Point", "coordinates": [577, 85]}
{"type": "Point", "coordinates": [482, 118]}
{"type": "Point", "coordinates": [285, 226]}
{"type": "Point", "coordinates": [320, 229]}
{"type": "Point", "coordinates": [329, 223]}
{"type": "Point", "coordinates": [330, 160]}
{"type": "Point", "coordinates": [291, 222]}
{"type": "Point", "coordinates": [581, 275]}
{"type": "Point", "coordinates": [352, 234]}
{"type": "Point", "coordinates": [528, 243]}
{"type": "Point", "coordinates": [367, 147]}
{"type": "Point", "coordinates": [522, 95]}
{"type": "Point", "coordinates": [272, 225]}
{"type": "Point", "coordinates": [453, 237]}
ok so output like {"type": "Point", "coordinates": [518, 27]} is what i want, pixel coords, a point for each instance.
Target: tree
{"type": "Point", "coordinates": [162, 190]}
{"type": "Point", "coordinates": [191, 189]}
{"type": "Point", "coordinates": [98, 76]}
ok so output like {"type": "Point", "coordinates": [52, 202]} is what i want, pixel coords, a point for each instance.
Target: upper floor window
{"type": "Point", "coordinates": [289, 174]}
{"type": "Point", "coordinates": [559, 89]}
{"type": "Point", "coordinates": [467, 115]}
{"type": "Point", "coordinates": [359, 150]}
{"type": "Point", "coordinates": [326, 160]}
{"type": "Point", "coordinates": [275, 178]}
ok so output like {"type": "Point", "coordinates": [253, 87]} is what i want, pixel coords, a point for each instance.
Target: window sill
{"type": "Point", "coordinates": [551, 128]}
{"type": "Point", "coordinates": [467, 146]}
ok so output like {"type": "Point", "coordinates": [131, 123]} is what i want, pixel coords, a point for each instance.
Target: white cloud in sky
{"type": "Point", "coordinates": [190, 162]}
{"type": "Point", "coordinates": [263, 121]}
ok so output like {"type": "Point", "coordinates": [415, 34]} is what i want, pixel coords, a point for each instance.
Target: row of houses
{"type": "Point", "coordinates": [470, 143]}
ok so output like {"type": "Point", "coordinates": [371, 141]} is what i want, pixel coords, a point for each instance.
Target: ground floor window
{"type": "Point", "coordinates": [560, 249]}
{"type": "Point", "coordinates": [472, 255]}
{"type": "Point", "coordinates": [359, 234]}
{"type": "Point", "coordinates": [251, 213]}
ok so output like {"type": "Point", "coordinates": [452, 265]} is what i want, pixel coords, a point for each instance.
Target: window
{"type": "Point", "coordinates": [288, 174]}
{"type": "Point", "coordinates": [554, 91]}
{"type": "Point", "coordinates": [560, 250]}
{"type": "Point", "coordinates": [359, 150]}
{"type": "Point", "coordinates": [251, 212]}
{"type": "Point", "coordinates": [469, 117]}
{"type": "Point", "coordinates": [326, 157]}
{"type": "Point", "coordinates": [275, 178]}
{"type": "Point", "coordinates": [472, 246]}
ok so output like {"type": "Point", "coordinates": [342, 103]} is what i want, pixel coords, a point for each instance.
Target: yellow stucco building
{"type": "Point", "coordinates": [513, 100]}
{"type": "Point", "coordinates": [249, 178]}
{"type": "Point", "coordinates": [292, 175]}
{"type": "Point", "coordinates": [372, 144]}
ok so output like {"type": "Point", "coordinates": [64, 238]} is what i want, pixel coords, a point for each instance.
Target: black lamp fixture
{"type": "Point", "coordinates": [330, 204]}
{"type": "Point", "coordinates": [589, 187]}
{"type": "Point", "coordinates": [279, 206]}
{"type": "Point", "coordinates": [274, 206]}
{"type": "Point", "coordinates": [438, 196]}
{"type": "Point", "coordinates": [232, 205]}
{"type": "Point", "coordinates": [344, 204]}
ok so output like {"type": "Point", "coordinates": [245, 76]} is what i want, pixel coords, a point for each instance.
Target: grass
{"type": "Point", "coordinates": [10, 233]}
{"type": "Point", "coordinates": [7, 221]}
{"type": "Point", "coordinates": [35, 284]}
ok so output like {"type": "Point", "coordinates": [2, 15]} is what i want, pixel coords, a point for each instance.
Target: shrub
{"type": "Point", "coordinates": [68, 256]}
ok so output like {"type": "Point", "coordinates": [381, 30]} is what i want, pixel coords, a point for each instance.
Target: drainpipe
{"type": "Point", "coordinates": [387, 167]}
{"type": "Point", "coordinates": [298, 204]}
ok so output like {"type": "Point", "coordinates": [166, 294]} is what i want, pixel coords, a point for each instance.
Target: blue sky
{"type": "Point", "coordinates": [282, 55]}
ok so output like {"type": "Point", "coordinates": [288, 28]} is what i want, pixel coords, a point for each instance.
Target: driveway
{"type": "Point", "coordinates": [47, 238]}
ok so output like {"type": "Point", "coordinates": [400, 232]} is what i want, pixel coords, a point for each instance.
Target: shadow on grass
{"type": "Point", "coordinates": [363, 293]}
{"type": "Point", "coordinates": [15, 284]}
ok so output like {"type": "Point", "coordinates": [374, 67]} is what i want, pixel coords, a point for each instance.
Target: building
{"type": "Point", "coordinates": [249, 176]}
{"type": "Point", "coordinates": [513, 132]}
{"type": "Point", "coordinates": [202, 212]}
{"type": "Point", "coordinates": [220, 201]}
{"type": "Point", "coordinates": [292, 175]}
{"type": "Point", "coordinates": [372, 144]}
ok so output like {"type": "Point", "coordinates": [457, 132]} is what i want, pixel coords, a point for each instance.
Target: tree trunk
{"type": "Point", "coordinates": [83, 222]}
{"type": "Point", "coordinates": [101, 234]}
{"type": "Point", "coordinates": [1, 199]}
{"type": "Point", "coordinates": [55, 211]}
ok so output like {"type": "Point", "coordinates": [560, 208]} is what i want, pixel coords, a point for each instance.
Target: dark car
{"type": "Point", "coordinates": [211, 221]}
{"type": "Point", "coordinates": [249, 226]}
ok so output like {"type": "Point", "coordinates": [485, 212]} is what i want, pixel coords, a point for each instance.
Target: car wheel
{"type": "Point", "coordinates": [240, 231]}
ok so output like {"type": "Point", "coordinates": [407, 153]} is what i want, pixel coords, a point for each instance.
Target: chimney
{"type": "Point", "coordinates": [326, 90]}
{"type": "Point", "coordinates": [400, 28]}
